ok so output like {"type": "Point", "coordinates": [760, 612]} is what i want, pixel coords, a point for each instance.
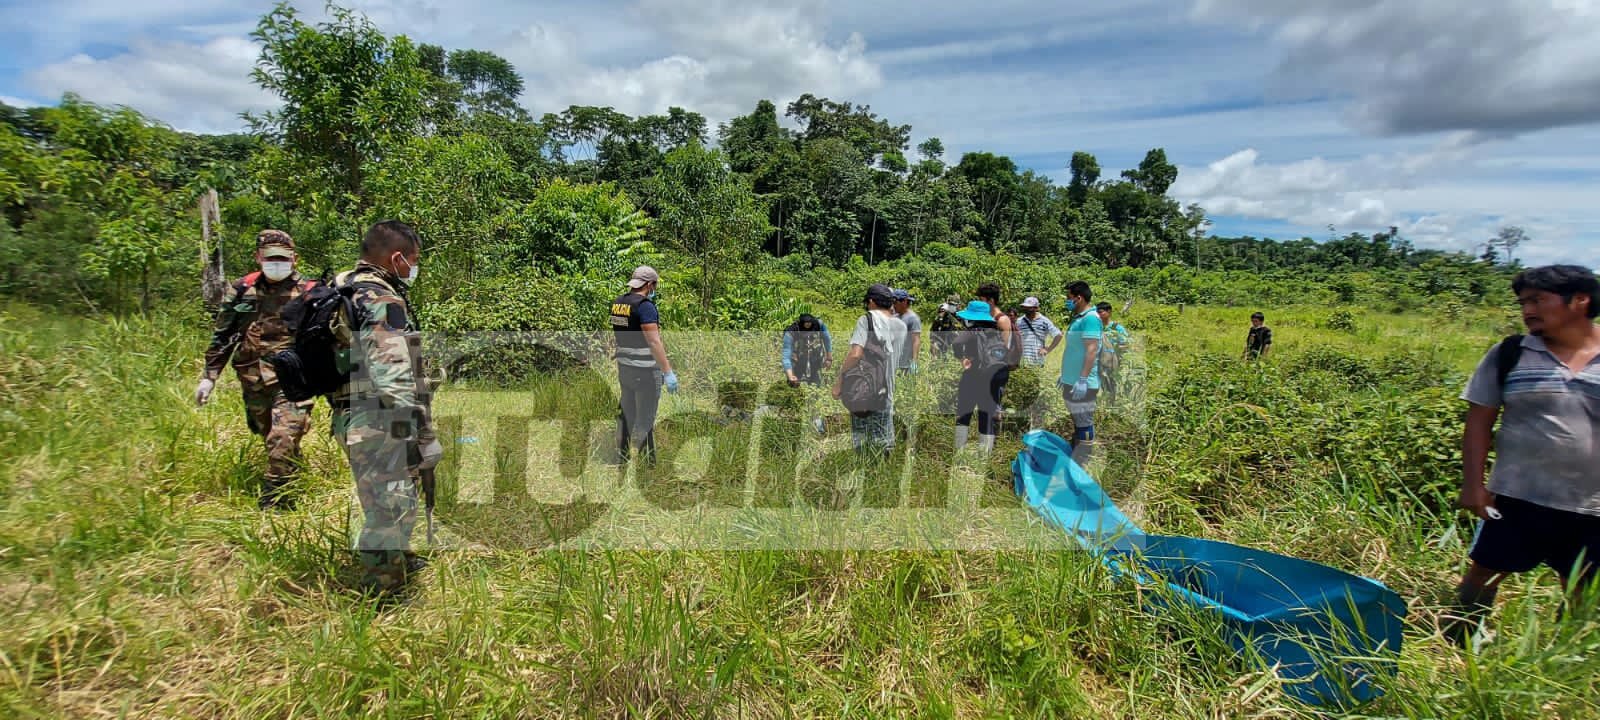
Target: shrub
{"type": "Point", "coordinates": [1341, 319]}
{"type": "Point", "coordinates": [1151, 318]}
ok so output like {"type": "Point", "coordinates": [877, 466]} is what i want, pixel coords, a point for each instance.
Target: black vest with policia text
{"type": "Point", "coordinates": [632, 350]}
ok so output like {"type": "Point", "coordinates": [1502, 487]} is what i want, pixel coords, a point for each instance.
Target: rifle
{"type": "Point", "coordinates": [429, 494]}
{"type": "Point", "coordinates": [428, 483]}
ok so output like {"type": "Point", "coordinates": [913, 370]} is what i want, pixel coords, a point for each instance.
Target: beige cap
{"type": "Point", "coordinates": [642, 276]}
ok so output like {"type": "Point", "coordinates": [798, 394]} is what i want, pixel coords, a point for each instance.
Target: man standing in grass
{"type": "Point", "coordinates": [1544, 508]}
{"type": "Point", "coordinates": [1259, 341]}
{"type": "Point", "coordinates": [383, 414]}
{"type": "Point", "coordinates": [1080, 379]}
{"type": "Point", "coordinates": [873, 432]}
{"type": "Point", "coordinates": [807, 351]}
{"type": "Point", "coordinates": [945, 324]}
{"type": "Point", "coordinates": [902, 310]}
{"type": "Point", "coordinates": [1113, 347]}
{"type": "Point", "coordinates": [1039, 336]}
{"type": "Point", "coordinates": [642, 364]}
{"type": "Point", "coordinates": [248, 330]}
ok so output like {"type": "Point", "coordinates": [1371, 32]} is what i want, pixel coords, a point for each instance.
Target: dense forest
{"type": "Point", "coordinates": [527, 215]}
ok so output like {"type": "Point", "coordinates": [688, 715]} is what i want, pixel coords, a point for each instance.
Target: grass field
{"type": "Point", "coordinates": [139, 580]}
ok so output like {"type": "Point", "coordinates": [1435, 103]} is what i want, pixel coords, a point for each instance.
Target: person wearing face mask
{"type": "Point", "coordinates": [1080, 362]}
{"type": "Point", "coordinates": [383, 414]}
{"type": "Point", "coordinates": [642, 364]}
{"type": "Point", "coordinates": [247, 330]}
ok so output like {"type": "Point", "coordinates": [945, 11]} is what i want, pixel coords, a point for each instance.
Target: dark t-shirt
{"type": "Point", "coordinates": [1258, 339]}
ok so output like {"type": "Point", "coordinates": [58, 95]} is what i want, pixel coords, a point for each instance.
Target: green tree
{"type": "Point", "coordinates": [994, 184]}
{"type": "Point", "coordinates": [708, 213]}
{"type": "Point", "coordinates": [1085, 173]}
{"type": "Point", "coordinates": [489, 83]}
{"type": "Point", "coordinates": [1154, 174]}
{"type": "Point", "coordinates": [871, 136]}
{"type": "Point", "coordinates": [347, 92]}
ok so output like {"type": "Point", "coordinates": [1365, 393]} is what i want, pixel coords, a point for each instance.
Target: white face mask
{"type": "Point", "coordinates": [276, 270]}
{"type": "Point", "coordinates": [409, 278]}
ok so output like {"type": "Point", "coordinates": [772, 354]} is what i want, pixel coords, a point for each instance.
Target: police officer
{"type": "Point", "coordinates": [642, 364]}
{"type": "Point", "coordinates": [248, 329]}
{"type": "Point", "coordinates": [383, 415]}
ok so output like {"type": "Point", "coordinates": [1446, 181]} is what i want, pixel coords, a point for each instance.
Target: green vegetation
{"type": "Point", "coordinates": [140, 580]}
{"type": "Point", "coordinates": [99, 203]}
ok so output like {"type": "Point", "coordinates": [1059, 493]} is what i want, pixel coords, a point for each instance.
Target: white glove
{"type": "Point", "coordinates": [431, 453]}
{"type": "Point", "coordinates": [202, 394]}
{"type": "Point", "coordinates": [1080, 390]}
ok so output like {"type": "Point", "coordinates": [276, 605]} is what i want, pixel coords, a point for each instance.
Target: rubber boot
{"type": "Point", "coordinates": [986, 443]}
{"type": "Point", "coordinates": [1081, 451]}
{"type": "Point", "coordinates": [275, 494]}
{"type": "Point", "coordinates": [962, 431]}
{"type": "Point", "coordinates": [383, 572]}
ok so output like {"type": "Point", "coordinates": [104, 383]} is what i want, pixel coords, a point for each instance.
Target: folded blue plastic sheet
{"type": "Point", "coordinates": [1332, 635]}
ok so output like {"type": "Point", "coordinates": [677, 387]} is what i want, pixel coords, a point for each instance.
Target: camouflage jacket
{"type": "Point", "coordinates": [248, 327]}
{"type": "Point", "coordinates": [388, 378]}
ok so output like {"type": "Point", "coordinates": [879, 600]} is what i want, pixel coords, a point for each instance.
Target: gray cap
{"type": "Point", "coordinates": [642, 276]}
{"type": "Point", "coordinates": [1030, 302]}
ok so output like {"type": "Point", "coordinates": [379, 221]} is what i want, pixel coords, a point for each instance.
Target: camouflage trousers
{"type": "Point", "coordinates": [281, 424]}
{"type": "Point", "coordinates": [387, 490]}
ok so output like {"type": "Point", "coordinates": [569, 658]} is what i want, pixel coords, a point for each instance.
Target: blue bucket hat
{"type": "Point", "coordinates": [977, 311]}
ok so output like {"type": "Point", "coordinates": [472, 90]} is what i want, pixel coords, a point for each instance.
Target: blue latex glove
{"type": "Point", "coordinates": [671, 381]}
{"type": "Point", "coordinates": [912, 368]}
{"type": "Point", "coordinates": [1080, 390]}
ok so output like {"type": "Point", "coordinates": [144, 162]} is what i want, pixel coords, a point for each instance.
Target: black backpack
{"type": "Point", "coordinates": [864, 388]}
{"type": "Point", "coordinates": [985, 348]}
{"type": "Point", "coordinates": [318, 362]}
{"type": "Point", "coordinates": [1506, 355]}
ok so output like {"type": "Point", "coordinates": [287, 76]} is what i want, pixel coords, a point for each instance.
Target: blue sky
{"type": "Point", "coordinates": [1284, 116]}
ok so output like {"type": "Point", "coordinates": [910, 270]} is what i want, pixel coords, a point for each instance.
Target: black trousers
{"type": "Point", "coordinates": [639, 396]}
{"type": "Point", "coordinates": [979, 393]}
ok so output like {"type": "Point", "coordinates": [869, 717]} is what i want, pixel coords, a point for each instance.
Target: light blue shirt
{"type": "Point", "coordinates": [1084, 327]}
{"type": "Point", "coordinates": [788, 344]}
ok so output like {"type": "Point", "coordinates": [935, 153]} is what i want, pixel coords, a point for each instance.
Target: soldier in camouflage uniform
{"type": "Point", "coordinates": [382, 416]}
{"type": "Point", "coordinates": [248, 329]}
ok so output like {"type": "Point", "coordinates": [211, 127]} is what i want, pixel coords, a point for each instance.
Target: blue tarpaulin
{"type": "Point", "coordinates": [1332, 635]}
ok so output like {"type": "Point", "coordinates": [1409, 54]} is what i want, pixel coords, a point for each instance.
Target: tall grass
{"type": "Point", "coordinates": [139, 580]}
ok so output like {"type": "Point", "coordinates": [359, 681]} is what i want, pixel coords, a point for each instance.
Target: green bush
{"type": "Point", "coordinates": [1151, 318]}
{"type": "Point", "coordinates": [1341, 319]}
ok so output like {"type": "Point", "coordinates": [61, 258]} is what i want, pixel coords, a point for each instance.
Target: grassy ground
{"type": "Point", "coordinates": [139, 580]}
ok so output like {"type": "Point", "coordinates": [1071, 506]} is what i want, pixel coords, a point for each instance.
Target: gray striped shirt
{"type": "Point", "coordinates": [1548, 446]}
{"type": "Point", "coordinates": [1036, 333]}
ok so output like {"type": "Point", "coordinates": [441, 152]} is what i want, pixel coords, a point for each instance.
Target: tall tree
{"type": "Point", "coordinates": [346, 92]}
{"type": "Point", "coordinates": [489, 83]}
{"type": "Point", "coordinates": [708, 213]}
{"type": "Point", "coordinates": [1085, 173]}
{"type": "Point", "coordinates": [870, 135]}
{"type": "Point", "coordinates": [1510, 237]}
{"type": "Point", "coordinates": [993, 182]}
{"type": "Point", "coordinates": [751, 140]}
{"type": "Point", "coordinates": [1154, 173]}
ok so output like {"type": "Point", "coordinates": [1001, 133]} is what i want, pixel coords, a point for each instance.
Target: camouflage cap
{"type": "Point", "coordinates": [268, 238]}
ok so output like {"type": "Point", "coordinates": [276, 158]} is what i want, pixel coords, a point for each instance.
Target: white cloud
{"type": "Point", "coordinates": [1449, 196]}
{"type": "Point", "coordinates": [717, 58]}
{"type": "Point", "coordinates": [17, 102]}
{"type": "Point", "coordinates": [192, 87]}
{"type": "Point", "coordinates": [1412, 66]}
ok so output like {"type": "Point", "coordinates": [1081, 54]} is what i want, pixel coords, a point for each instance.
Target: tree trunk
{"type": "Point", "coordinates": [213, 282]}
{"type": "Point", "coordinates": [872, 238]}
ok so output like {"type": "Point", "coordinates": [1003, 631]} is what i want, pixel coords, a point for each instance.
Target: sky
{"type": "Point", "coordinates": [1443, 118]}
